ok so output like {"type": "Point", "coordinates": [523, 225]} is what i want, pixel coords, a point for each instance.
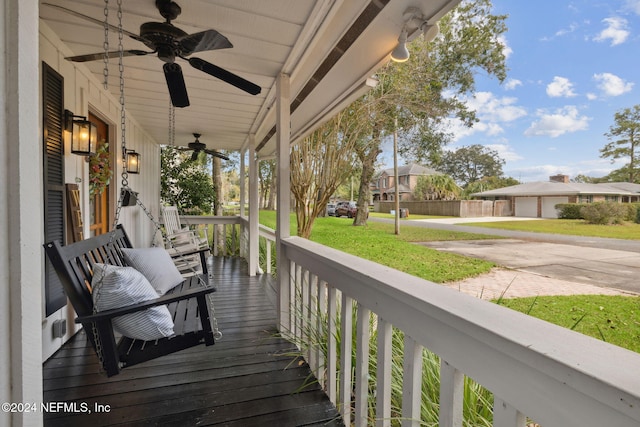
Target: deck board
{"type": "Point", "coordinates": [249, 378]}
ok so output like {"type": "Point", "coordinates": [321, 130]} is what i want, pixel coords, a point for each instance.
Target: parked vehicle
{"type": "Point", "coordinates": [331, 209]}
{"type": "Point", "coordinates": [348, 209]}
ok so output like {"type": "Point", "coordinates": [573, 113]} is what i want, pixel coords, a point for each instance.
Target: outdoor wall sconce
{"type": "Point", "coordinates": [84, 134]}
{"type": "Point", "coordinates": [415, 23]}
{"type": "Point", "coordinates": [133, 162]}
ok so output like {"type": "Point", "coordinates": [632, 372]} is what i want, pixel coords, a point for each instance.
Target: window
{"type": "Point", "coordinates": [585, 199]}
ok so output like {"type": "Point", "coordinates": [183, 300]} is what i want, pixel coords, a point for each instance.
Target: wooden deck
{"type": "Point", "coordinates": [249, 378]}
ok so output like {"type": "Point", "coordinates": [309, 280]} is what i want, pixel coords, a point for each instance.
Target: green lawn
{"type": "Point", "coordinates": [575, 227]}
{"type": "Point", "coordinates": [615, 319]}
{"type": "Point", "coordinates": [377, 242]}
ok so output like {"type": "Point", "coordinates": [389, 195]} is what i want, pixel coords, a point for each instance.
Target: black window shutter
{"type": "Point", "coordinates": [54, 189]}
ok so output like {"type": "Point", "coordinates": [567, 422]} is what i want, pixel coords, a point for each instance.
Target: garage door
{"type": "Point", "coordinates": [527, 206]}
{"type": "Point", "coordinates": [548, 206]}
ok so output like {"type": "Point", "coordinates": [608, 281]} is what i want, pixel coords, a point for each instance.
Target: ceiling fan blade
{"type": "Point", "coordinates": [225, 75]}
{"type": "Point", "coordinates": [216, 154]}
{"type": "Point", "coordinates": [94, 20]}
{"type": "Point", "coordinates": [177, 87]}
{"type": "Point", "coordinates": [194, 156]}
{"type": "Point", "coordinates": [204, 40]}
{"type": "Point", "coordinates": [112, 54]}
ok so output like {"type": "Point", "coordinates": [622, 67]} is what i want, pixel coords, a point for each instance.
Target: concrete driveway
{"type": "Point", "coordinates": [604, 268]}
{"type": "Point", "coordinates": [542, 264]}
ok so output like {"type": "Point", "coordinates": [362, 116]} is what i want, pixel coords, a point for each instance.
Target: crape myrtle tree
{"type": "Point", "coordinates": [320, 163]}
{"type": "Point", "coordinates": [429, 88]}
{"type": "Point", "coordinates": [624, 139]}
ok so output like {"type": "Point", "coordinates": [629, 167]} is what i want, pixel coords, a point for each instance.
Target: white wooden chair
{"type": "Point", "coordinates": [183, 244]}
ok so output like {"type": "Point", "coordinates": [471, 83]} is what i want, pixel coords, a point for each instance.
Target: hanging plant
{"type": "Point", "coordinates": [99, 170]}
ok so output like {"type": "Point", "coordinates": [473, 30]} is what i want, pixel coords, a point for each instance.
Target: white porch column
{"type": "Point", "coordinates": [254, 232]}
{"type": "Point", "coordinates": [242, 173]}
{"type": "Point", "coordinates": [283, 229]}
{"type": "Point", "coordinates": [21, 212]}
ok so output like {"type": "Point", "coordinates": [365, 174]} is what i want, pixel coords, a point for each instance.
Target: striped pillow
{"type": "Point", "coordinates": [115, 287]}
{"type": "Point", "coordinates": [156, 265]}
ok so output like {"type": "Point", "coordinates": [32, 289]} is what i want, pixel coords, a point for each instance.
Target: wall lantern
{"type": "Point", "coordinates": [84, 134]}
{"type": "Point", "coordinates": [132, 162]}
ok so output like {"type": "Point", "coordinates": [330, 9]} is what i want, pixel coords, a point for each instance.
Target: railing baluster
{"type": "Point", "coordinates": [268, 245]}
{"type": "Point", "coordinates": [332, 351]}
{"type": "Point", "coordinates": [412, 383]}
{"type": "Point", "coordinates": [309, 330]}
{"type": "Point", "coordinates": [383, 376]}
{"type": "Point", "coordinates": [451, 395]}
{"type": "Point", "coordinates": [362, 365]}
{"type": "Point", "coordinates": [505, 415]}
{"type": "Point", "coordinates": [322, 308]}
{"type": "Point", "coordinates": [346, 344]}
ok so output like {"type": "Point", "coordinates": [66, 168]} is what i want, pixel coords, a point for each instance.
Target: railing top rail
{"type": "Point", "coordinates": [210, 219]}
{"type": "Point", "coordinates": [578, 380]}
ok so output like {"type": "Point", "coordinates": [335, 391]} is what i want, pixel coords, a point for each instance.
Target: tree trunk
{"type": "Point", "coordinates": [368, 158]}
{"type": "Point", "coordinates": [271, 203]}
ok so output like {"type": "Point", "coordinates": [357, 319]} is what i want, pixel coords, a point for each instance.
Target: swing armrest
{"type": "Point", "coordinates": [163, 300]}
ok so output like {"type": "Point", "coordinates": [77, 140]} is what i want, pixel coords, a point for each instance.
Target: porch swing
{"type": "Point", "coordinates": [137, 294]}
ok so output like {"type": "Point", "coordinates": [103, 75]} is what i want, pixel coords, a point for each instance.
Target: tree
{"type": "Point", "coordinates": [488, 183]}
{"type": "Point", "coordinates": [319, 164]}
{"type": "Point", "coordinates": [624, 136]}
{"type": "Point", "coordinates": [424, 91]}
{"type": "Point", "coordinates": [267, 174]}
{"type": "Point", "coordinates": [436, 187]}
{"type": "Point", "coordinates": [470, 164]}
{"type": "Point", "coordinates": [184, 183]}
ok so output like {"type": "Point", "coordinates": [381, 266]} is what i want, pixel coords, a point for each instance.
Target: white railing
{"type": "Point", "coordinates": [268, 239]}
{"type": "Point", "coordinates": [227, 241]}
{"type": "Point", "coordinates": [537, 372]}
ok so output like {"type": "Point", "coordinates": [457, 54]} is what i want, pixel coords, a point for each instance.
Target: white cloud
{"type": "Point", "coordinates": [633, 5]}
{"type": "Point", "coordinates": [512, 84]}
{"type": "Point", "coordinates": [592, 96]}
{"type": "Point", "coordinates": [563, 120]}
{"type": "Point", "coordinates": [505, 151]}
{"type": "Point", "coordinates": [506, 50]}
{"type": "Point", "coordinates": [560, 87]}
{"type": "Point", "coordinates": [489, 108]}
{"type": "Point", "coordinates": [491, 111]}
{"type": "Point", "coordinates": [616, 31]}
{"type": "Point", "coordinates": [612, 85]}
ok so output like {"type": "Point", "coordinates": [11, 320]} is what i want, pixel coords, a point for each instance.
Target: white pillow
{"type": "Point", "coordinates": [115, 287]}
{"type": "Point", "coordinates": [156, 265]}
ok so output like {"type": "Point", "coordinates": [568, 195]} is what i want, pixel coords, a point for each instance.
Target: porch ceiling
{"type": "Point", "coordinates": [296, 37]}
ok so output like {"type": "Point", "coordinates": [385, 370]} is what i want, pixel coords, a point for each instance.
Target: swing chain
{"type": "Point", "coordinates": [105, 45]}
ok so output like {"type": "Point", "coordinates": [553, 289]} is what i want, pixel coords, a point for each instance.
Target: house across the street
{"type": "Point", "coordinates": [538, 199]}
{"type": "Point", "coordinates": [383, 187]}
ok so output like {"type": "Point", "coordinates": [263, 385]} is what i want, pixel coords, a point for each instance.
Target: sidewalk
{"type": "Point", "coordinates": [518, 284]}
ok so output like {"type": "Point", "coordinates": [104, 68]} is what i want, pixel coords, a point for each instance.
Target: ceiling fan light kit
{"type": "Point", "coordinates": [169, 42]}
{"type": "Point", "coordinates": [197, 147]}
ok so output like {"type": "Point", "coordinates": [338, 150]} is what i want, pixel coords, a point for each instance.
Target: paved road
{"type": "Point", "coordinates": [608, 263]}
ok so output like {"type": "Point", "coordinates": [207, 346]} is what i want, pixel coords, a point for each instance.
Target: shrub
{"type": "Point", "coordinates": [570, 210]}
{"type": "Point", "coordinates": [604, 213]}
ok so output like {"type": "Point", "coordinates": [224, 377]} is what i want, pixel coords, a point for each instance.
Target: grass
{"type": "Point", "coordinates": [377, 242]}
{"type": "Point", "coordinates": [574, 227]}
{"type": "Point", "coordinates": [614, 319]}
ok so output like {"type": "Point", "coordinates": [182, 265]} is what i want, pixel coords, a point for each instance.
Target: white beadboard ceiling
{"type": "Point", "coordinates": [328, 48]}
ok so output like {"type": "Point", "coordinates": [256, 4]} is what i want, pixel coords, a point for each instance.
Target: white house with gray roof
{"type": "Point", "coordinates": [538, 199]}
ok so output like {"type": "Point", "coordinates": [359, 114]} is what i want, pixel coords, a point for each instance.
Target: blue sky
{"type": "Point", "coordinates": [572, 65]}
